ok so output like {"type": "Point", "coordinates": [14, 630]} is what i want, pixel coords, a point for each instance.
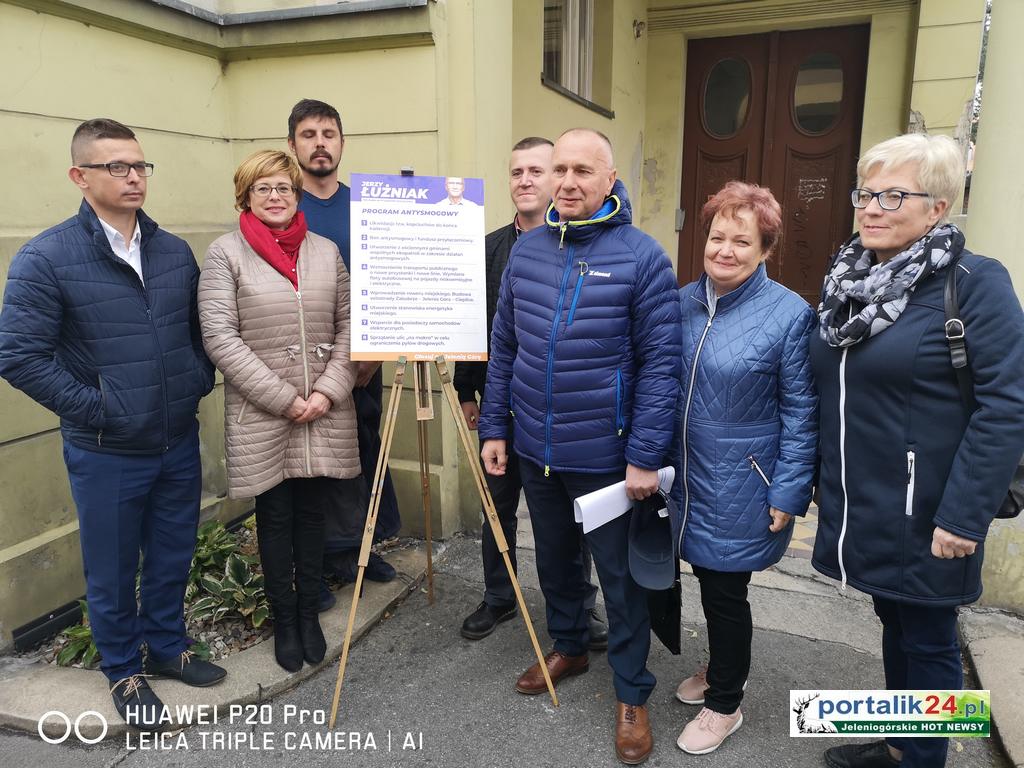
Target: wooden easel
{"type": "Point", "coordinates": [425, 413]}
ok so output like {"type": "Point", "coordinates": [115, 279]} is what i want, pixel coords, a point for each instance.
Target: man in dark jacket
{"type": "Point", "coordinates": [100, 325]}
{"type": "Point", "coordinates": [584, 370]}
{"type": "Point", "coordinates": [316, 137]}
{"type": "Point", "coordinates": [529, 181]}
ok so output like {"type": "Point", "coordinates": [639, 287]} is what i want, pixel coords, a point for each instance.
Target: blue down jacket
{"type": "Point", "coordinates": [899, 454]}
{"type": "Point", "coordinates": [749, 422]}
{"type": "Point", "coordinates": [585, 346]}
{"type": "Point", "coordinates": [122, 364]}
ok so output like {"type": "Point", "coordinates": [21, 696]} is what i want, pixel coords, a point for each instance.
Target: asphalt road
{"type": "Point", "coordinates": [418, 694]}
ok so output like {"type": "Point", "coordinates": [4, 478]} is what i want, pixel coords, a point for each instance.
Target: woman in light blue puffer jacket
{"type": "Point", "coordinates": [748, 428]}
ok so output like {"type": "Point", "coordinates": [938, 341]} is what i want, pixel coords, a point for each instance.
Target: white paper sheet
{"type": "Point", "coordinates": [599, 507]}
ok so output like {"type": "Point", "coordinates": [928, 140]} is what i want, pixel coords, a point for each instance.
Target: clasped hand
{"type": "Point", "coordinates": [303, 411]}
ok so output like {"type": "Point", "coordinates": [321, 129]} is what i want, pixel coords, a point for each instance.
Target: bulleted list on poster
{"type": "Point", "coordinates": [418, 281]}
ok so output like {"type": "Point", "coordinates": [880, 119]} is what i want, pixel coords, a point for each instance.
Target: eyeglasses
{"type": "Point", "coordinates": [122, 169]}
{"type": "Point", "coordinates": [888, 199]}
{"type": "Point", "coordinates": [264, 190]}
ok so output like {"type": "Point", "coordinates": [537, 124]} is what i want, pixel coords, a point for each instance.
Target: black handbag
{"type": "Point", "coordinates": [956, 338]}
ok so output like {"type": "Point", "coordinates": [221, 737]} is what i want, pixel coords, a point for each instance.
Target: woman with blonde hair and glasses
{"type": "Point", "coordinates": [274, 309]}
{"type": "Point", "coordinates": [913, 471]}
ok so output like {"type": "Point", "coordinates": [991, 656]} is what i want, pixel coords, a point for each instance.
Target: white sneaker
{"type": "Point", "coordinates": [706, 732]}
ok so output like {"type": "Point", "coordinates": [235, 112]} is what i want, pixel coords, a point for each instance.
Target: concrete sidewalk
{"type": "Point", "coordinates": [30, 689]}
{"type": "Point", "coordinates": [425, 696]}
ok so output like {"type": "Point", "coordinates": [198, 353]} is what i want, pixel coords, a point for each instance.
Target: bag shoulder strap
{"type": "Point", "coordinates": [956, 336]}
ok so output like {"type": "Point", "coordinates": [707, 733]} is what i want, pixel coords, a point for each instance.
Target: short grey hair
{"type": "Point", "coordinates": [937, 159]}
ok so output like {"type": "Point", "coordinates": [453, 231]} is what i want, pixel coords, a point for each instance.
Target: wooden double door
{"type": "Point", "coordinates": [782, 110]}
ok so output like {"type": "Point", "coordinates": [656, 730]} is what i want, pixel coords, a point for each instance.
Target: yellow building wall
{"type": "Point", "coordinates": [946, 62]}
{"type": "Point", "coordinates": [196, 116]}
{"type": "Point", "coordinates": [61, 73]}
{"type": "Point", "coordinates": [997, 203]}
{"type": "Point", "coordinates": [541, 111]}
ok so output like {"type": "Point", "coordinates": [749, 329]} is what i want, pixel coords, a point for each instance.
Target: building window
{"type": "Point", "coordinates": [577, 50]}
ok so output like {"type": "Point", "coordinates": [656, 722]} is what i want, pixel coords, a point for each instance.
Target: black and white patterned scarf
{"type": "Point", "coordinates": [882, 289]}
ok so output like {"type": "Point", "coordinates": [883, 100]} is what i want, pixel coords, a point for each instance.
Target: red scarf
{"type": "Point", "coordinates": [279, 248]}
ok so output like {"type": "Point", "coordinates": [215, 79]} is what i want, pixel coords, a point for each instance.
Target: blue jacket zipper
{"type": "Point", "coordinates": [551, 361]}
{"type": "Point", "coordinates": [156, 340]}
{"type": "Point", "coordinates": [620, 426]}
{"type": "Point", "coordinates": [576, 295]}
{"type": "Point", "coordinates": [686, 428]}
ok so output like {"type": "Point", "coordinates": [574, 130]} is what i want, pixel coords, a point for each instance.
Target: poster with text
{"type": "Point", "coordinates": [418, 282]}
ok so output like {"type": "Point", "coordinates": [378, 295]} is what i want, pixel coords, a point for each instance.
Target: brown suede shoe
{"type": "Point", "coordinates": [633, 739]}
{"type": "Point", "coordinates": [531, 682]}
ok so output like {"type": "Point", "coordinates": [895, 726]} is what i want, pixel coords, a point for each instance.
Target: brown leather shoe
{"type": "Point", "coordinates": [531, 682]}
{"type": "Point", "coordinates": [633, 739]}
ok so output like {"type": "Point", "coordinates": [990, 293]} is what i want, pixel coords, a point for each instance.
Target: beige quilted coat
{"type": "Point", "coordinates": [273, 343]}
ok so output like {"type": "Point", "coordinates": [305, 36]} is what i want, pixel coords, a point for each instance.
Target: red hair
{"type": "Point", "coordinates": [740, 196]}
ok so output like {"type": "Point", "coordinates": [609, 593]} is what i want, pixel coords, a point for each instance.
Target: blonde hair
{"type": "Point", "coordinates": [266, 162]}
{"type": "Point", "coordinates": [937, 159]}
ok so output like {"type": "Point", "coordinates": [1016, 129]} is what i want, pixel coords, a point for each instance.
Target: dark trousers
{"type": "Point", "coordinates": [560, 568]}
{"type": "Point", "coordinates": [505, 490]}
{"type": "Point", "coordinates": [346, 516]}
{"type": "Point", "coordinates": [369, 409]}
{"type": "Point", "coordinates": [730, 632]}
{"type": "Point", "coordinates": [128, 504]}
{"type": "Point", "coordinates": [290, 527]}
{"type": "Point", "coordinates": [920, 651]}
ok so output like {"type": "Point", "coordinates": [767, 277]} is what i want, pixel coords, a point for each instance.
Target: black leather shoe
{"type": "Point", "coordinates": [314, 646]}
{"type": "Point", "coordinates": [136, 703]}
{"type": "Point", "coordinates": [326, 599]}
{"type": "Point", "coordinates": [481, 622]}
{"type": "Point", "coordinates": [288, 645]}
{"type": "Point", "coordinates": [379, 569]}
{"type": "Point", "coordinates": [598, 630]}
{"type": "Point", "coordinates": [188, 668]}
{"type": "Point", "coordinates": [874, 754]}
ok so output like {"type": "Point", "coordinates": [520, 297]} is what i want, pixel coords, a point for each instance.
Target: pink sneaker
{"type": "Point", "coordinates": [691, 690]}
{"type": "Point", "coordinates": [706, 732]}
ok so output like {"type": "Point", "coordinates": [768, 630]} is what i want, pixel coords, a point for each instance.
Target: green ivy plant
{"type": "Point", "coordinates": [239, 592]}
{"type": "Point", "coordinates": [80, 644]}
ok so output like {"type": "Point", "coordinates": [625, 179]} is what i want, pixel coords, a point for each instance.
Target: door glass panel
{"type": "Point", "coordinates": [818, 95]}
{"type": "Point", "coordinates": [726, 98]}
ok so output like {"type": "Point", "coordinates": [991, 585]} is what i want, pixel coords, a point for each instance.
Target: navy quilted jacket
{"type": "Point", "coordinates": [749, 422]}
{"type": "Point", "coordinates": [122, 364]}
{"type": "Point", "coordinates": [899, 453]}
{"type": "Point", "coordinates": [585, 346]}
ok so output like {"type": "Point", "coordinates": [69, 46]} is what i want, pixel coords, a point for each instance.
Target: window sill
{"type": "Point", "coordinates": [577, 98]}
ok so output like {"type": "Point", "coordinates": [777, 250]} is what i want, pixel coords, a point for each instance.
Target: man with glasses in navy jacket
{"type": "Point", "coordinates": [100, 325]}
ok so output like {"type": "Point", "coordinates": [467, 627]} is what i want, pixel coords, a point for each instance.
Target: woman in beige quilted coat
{"type": "Point", "coordinates": [274, 309]}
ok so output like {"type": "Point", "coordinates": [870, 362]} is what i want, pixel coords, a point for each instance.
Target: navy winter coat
{"type": "Point", "coordinates": [585, 346]}
{"type": "Point", "coordinates": [122, 364]}
{"type": "Point", "coordinates": [892, 418]}
{"type": "Point", "coordinates": [749, 422]}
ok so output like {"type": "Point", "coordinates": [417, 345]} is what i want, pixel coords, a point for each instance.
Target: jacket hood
{"type": "Point", "coordinates": [615, 211]}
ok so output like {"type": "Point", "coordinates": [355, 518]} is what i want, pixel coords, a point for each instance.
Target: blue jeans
{"type": "Point", "coordinates": [920, 651]}
{"type": "Point", "coordinates": [558, 540]}
{"type": "Point", "coordinates": [127, 504]}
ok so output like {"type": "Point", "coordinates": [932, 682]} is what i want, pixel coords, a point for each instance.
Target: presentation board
{"type": "Point", "coordinates": [417, 268]}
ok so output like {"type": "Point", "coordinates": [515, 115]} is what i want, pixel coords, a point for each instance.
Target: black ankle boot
{"type": "Point", "coordinates": [314, 646]}
{"type": "Point", "coordinates": [288, 645]}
